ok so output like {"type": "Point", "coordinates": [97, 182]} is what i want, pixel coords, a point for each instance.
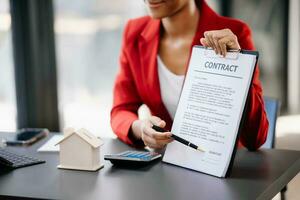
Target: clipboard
{"type": "Point", "coordinates": [234, 56]}
{"type": "Point", "coordinates": [242, 122]}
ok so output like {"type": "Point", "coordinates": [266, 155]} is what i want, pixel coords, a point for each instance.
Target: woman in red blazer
{"type": "Point", "coordinates": [170, 31]}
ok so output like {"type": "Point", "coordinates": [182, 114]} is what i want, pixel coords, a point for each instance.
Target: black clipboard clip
{"type": "Point", "coordinates": [231, 54]}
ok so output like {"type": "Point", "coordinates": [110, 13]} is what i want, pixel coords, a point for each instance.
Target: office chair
{"type": "Point", "coordinates": [272, 107]}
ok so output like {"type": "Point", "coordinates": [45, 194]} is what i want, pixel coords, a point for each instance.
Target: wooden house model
{"type": "Point", "coordinates": [80, 150]}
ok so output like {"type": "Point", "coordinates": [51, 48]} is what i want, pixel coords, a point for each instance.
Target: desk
{"type": "Point", "coordinates": [255, 175]}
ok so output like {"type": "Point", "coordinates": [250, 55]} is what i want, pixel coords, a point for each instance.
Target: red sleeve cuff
{"type": "Point", "coordinates": [121, 125]}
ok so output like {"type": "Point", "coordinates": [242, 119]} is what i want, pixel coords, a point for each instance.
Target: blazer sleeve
{"type": "Point", "coordinates": [126, 99]}
{"type": "Point", "coordinates": [254, 131]}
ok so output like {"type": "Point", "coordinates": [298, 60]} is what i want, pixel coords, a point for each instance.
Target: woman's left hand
{"type": "Point", "coordinates": [220, 41]}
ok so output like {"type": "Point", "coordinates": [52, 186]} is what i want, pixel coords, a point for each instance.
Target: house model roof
{"type": "Point", "coordinates": [85, 135]}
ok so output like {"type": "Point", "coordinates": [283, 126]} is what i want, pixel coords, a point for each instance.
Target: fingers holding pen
{"type": "Point", "coordinates": [153, 138]}
{"type": "Point", "coordinates": [157, 121]}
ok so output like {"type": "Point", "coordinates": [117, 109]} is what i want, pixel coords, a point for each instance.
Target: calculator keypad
{"type": "Point", "coordinates": [142, 155]}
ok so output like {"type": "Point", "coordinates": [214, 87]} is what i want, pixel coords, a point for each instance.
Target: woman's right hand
{"type": "Point", "coordinates": [142, 129]}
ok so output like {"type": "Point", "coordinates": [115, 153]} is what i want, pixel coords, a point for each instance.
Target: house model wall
{"type": "Point", "coordinates": [80, 150]}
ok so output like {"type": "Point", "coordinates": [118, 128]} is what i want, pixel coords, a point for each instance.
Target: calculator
{"type": "Point", "coordinates": [132, 158]}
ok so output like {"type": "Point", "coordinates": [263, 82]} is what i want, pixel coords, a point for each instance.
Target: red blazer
{"type": "Point", "coordinates": [137, 81]}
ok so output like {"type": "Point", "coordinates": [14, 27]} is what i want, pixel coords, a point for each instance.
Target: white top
{"type": "Point", "coordinates": [170, 87]}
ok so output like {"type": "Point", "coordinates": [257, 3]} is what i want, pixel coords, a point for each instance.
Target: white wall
{"type": "Point", "coordinates": [293, 57]}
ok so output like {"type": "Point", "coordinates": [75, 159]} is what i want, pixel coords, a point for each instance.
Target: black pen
{"type": "Point", "coordinates": [177, 138]}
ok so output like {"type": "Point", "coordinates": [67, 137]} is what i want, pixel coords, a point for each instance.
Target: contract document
{"type": "Point", "coordinates": [210, 110]}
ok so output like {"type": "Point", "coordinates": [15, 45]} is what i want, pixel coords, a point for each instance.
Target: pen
{"type": "Point", "coordinates": [177, 138]}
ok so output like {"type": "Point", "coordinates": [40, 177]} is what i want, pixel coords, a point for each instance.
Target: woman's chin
{"type": "Point", "coordinates": [158, 14]}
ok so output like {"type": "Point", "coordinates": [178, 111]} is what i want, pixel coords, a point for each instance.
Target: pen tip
{"type": "Point", "coordinates": [199, 149]}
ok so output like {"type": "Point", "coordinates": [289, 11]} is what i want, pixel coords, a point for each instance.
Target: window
{"type": "Point", "coordinates": [88, 39]}
{"type": "Point", "coordinates": [267, 19]}
{"type": "Point", "coordinates": [7, 87]}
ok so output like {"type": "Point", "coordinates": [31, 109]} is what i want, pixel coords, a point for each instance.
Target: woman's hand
{"type": "Point", "coordinates": [220, 41]}
{"type": "Point", "coordinates": [143, 129]}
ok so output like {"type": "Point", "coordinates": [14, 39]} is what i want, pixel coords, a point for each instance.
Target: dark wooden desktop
{"type": "Point", "coordinates": [255, 175]}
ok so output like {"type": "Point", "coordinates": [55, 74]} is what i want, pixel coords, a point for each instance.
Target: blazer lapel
{"type": "Point", "coordinates": [148, 48]}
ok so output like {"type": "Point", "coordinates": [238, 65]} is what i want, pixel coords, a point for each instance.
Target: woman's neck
{"type": "Point", "coordinates": [183, 23]}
